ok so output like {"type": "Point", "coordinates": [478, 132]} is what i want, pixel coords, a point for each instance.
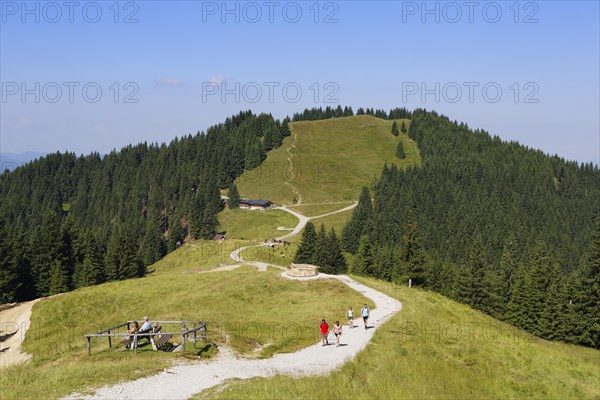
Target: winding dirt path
{"type": "Point", "coordinates": [14, 323]}
{"type": "Point", "coordinates": [291, 170]}
{"type": "Point", "coordinates": [302, 221]}
{"type": "Point", "coordinates": [181, 382]}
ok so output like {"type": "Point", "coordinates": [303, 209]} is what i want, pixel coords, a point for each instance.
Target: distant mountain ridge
{"type": "Point", "coordinates": [10, 161]}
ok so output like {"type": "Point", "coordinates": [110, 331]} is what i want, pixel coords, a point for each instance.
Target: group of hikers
{"type": "Point", "coordinates": [337, 328]}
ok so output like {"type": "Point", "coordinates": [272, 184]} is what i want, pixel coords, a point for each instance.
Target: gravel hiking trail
{"type": "Point", "coordinates": [183, 381]}
{"type": "Point", "coordinates": [14, 323]}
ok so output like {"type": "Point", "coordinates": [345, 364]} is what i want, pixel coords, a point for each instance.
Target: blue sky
{"type": "Point", "coordinates": [526, 71]}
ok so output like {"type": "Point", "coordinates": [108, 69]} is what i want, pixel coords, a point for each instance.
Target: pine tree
{"type": "Point", "coordinates": [588, 295]}
{"type": "Point", "coordinates": [329, 255]}
{"type": "Point", "coordinates": [47, 253]}
{"type": "Point", "coordinates": [400, 151]}
{"type": "Point", "coordinates": [518, 311]}
{"type": "Point", "coordinates": [213, 206]}
{"type": "Point", "coordinates": [337, 260]}
{"type": "Point", "coordinates": [395, 131]}
{"type": "Point", "coordinates": [477, 271]}
{"type": "Point", "coordinates": [130, 265]}
{"type": "Point", "coordinates": [111, 258]}
{"type": "Point", "coordinates": [198, 207]}
{"type": "Point", "coordinates": [363, 260]}
{"type": "Point", "coordinates": [412, 254]}
{"type": "Point", "coordinates": [59, 279]}
{"type": "Point", "coordinates": [307, 247]}
{"type": "Point", "coordinates": [508, 267]}
{"type": "Point", "coordinates": [403, 127]}
{"type": "Point", "coordinates": [234, 197]}
{"type": "Point", "coordinates": [387, 265]}
{"type": "Point", "coordinates": [540, 269]}
{"type": "Point", "coordinates": [321, 249]}
{"type": "Point", "coordinates": [90, 271]}
{"type": "Point", "coordinates": [9, 278]}
{"type": "Point", "coordinates": [360, 223]}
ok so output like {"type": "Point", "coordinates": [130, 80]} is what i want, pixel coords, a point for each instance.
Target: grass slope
{"type": "Point", "coordinates": [255, 224]}
{"type": "Point", "coordinates": [250, 307]}
{"type": "Point", "coordinates": [332, 159]}
{"type": "Point", "coordinates": [436, 348]}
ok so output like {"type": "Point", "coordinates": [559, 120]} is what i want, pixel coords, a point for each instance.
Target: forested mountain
{"type": "Point", "coordinates": [71, 221]}
{"type": "Point", "coordinates": [506, 229]}
{"type": "Point", "coordinates": [503, 228]}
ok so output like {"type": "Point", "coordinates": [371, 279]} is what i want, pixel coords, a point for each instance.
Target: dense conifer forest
{"type": "Point", "coordinates": [70, 221]}
{"type": "Point", "coordinates": [506, 229]}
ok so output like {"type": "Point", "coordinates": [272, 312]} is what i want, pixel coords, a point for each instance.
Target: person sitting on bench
{"type": "Point", "coordinates": [146, 326]}
{"type": "Point", "coordinates": [134, 329]}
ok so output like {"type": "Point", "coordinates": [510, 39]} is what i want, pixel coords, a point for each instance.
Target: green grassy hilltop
{"type": "Point", "coordinates": [327, 161]}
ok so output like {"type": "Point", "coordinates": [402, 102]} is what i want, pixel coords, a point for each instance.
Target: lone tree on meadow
{"type": "Point", "coordinates": [395, 131]}
{"type": "Point", "coordinates": [400, 151]}
{"type": "Point", "coordinates": [403, 127]}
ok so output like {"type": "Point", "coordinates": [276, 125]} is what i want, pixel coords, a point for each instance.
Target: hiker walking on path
{"type": "Point", "coordinates": [350, 317]}
{"type": "Point", "coordinates": [337, 331]}
{"type": "Point", "coordinates": [324, 327]}
{"type": "Point", "coordinates": [364, 311]}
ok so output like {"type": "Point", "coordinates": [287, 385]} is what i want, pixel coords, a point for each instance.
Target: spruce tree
{"type": "Point", "coordinates": [9, 279]}
{"type": "Point", "coordinates": [363, 260]}
{"type": "Point", "coordinates": [508, 267]}
{"type": "Point", "coordinates": [234, 197]}
{"type": "Point", "coordinates": [395, 131]}
{"type": "Point", "coordinates": [403, 127]}
{"type": "Point", "coordinates": [477, 270]}
{"type": "Point", "coordinates": [540, 269]}
{"type": "Point", "coordinates": [400, 151]}
{"type": "Point", "coordinates": [360, 223]}
{"type": "Point", "coordinates": [307, 247]}
{"type": "Point", "coordinates": [588, 295]}
{"type": "Point", "coordinates": [198, 206]}
{"type": "Point", "coordinates": [90, 270]}
{"type": "Point", "coordinates": [412, 254]}
{"type": "Point", "coordinates": [59, 279]}
{"type": "Point", "coordinates": [518, 310]}
{"type": "Point", "coordinates": [321, 250]}
{"type": "Point", "coordinates": [336, 257]}
{"type": "Point", "coordinates": [130, 264]}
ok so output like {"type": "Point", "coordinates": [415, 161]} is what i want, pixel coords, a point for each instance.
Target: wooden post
{"type": "Point", "coordinates": [135, 343]}
{"type": "Point", "coordinates": [89, 345]}
{"type": "Point", "coordinates": [109, 341]}
{"type": "Point", "coordinates": [195, 339]}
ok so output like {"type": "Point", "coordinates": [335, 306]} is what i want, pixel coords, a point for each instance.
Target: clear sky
{"type": "Point", "coordinates": [92, 76]}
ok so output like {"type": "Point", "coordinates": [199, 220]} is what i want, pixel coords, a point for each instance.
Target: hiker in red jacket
{"type": "Point", "coordinates": [324, 327]}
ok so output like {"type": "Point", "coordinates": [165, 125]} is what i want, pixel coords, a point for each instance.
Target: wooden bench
{"type": "Point", "coordinates": [128, 342]}
{"type": "Point", "coordinates": [160, 341]}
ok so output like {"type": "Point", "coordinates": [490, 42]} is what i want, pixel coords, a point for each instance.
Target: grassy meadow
{"type": "Point", "coordinates": [60, 362]}
{"type": "Point", "coordinates": [332, 160]}
{"type": "Point", "coordinates": [436, 348]}
{"type": "Point", "coordinates": [255, 224]}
